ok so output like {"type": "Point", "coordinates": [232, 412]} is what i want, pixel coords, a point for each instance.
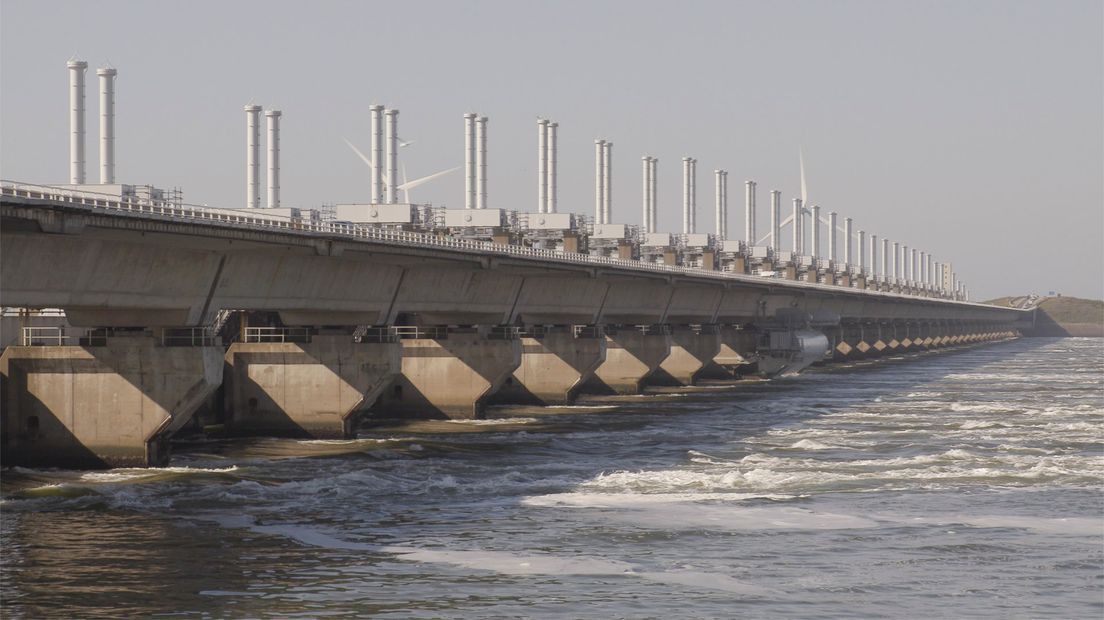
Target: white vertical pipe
{"type": "Point", "coordinates": [645, 191]}
{"type": "Point", "coordinates": [862, 250]}
{"type": "Point", "coordinates": [874, 256]}
{"type": "Point", "coordinates": [724, 205]}
{"type": "Point", "coordinates": [107, 125]}
{"type": "Point", "coordinates": [886, 275]}
{"type": "Point", "coordinates": [469, 161]}
{"type": "Point", "coordinates": [542, 166]}
{"type": "Point", "coordinates": [599, 180]}
{"type": "Point", "coordinates": [816, 230]}
{"type": "Point", "coordinates": [904, 258]}
{"type": "Point", "coordinates": [273, 119]}
{"type": "Point", "coordinates": [896, 262]}
{"type": "Point", "coordinates": [655, 195]}
{"type": "Point", "coordinates": [775, 220]}
{"type": "Point", "coordinates": [848, 255]}
{"type": "Point", "coordinates": [391, 131]}
{"type": "Point", "coordinates": [607, 184]}
{"type": "Point", "coordinates": [832, 236]}
{"type": "Point", "coordinates": [717, 200]}
{"type": "Point", "coordinates": [76, 120]}
{"type": "Point", "coordinates": [685, 195]}
{"type": "Point", "coordinates": [915, 268]}
{"type": "Point", "coordinates": [481, 162]}
{"type": "Point", "coordinates": [553, 155]}
{"type": "Point", "coordinates": [693, 195]}
{"type": "Point", "coordinates": [797, 226]}
{"type": "Point", "coordinates": [376, 113]}
{"type": "Point", "coordinates": [749, 213]}
{"type": "Point", "coordinates": [931, 272]}
{"type": "Point", "coordinates": [252, 156]}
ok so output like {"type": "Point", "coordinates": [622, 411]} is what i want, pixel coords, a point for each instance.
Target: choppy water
{"type": "Point", "coordinates": [948, 485]}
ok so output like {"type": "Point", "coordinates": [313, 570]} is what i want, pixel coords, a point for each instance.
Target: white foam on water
{"type": "Point", "coordinates": [635, 500]}
{"type": "Point", "coordinates": [492, 421]}
{"type": "Point", "coordinates": [810, 444]}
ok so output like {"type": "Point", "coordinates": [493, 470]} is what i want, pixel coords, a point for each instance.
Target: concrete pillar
{"type": "Point", "coordinates": [314, 389]}
{"type": "Point", "coordinates": [735, 354]}
{"type": "Point", "coordinates": [105, 406]}
{"type": "Point", "coordinates": [553, 369]}
{"type": "Point", "coordinates": [630, 357]}
{"type": "Point", "coordinates": [451, 377]}
{"type": "Point", "coordinates": [690, 352]}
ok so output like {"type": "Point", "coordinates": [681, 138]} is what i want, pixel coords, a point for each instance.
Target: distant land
{"type": "Point", "coordinates": [1062, 316]}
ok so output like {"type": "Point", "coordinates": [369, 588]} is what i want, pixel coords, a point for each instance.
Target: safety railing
{"type": "Point", "coordinates": [588, 331]}
{"type": "Point", "coordinates": [505, 332]}
{"type": "Point", "coordinates": [277, 334]}
{"type": "Point", "coordinates": [410, 332]}
{"type": "Point", "coordinates": [375, 334]}
{"type": "Point", "coordinates": [183, 211]}
{"type": "Point", "coordinates": [189, 337]}
{"type": "Point", "coordinates": [43, 336]}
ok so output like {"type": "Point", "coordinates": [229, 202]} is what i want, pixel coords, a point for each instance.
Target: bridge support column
{"type": "Point", "coordinates": [450, 377]}
{"type": "Point", "coordinates": [314, 389]}
{"type": "Point", "coordinates": [631, 355]}
{"type": "Point", "coordinates": [737, 353]}
{"type": "Point", "coordinates": [847, 342]}
{"type": "Point", "coordinates": [691, 351]}
{"type": "Point", "coordinates": [102, 406]}
{"type": "Point", "coordinates": [553, 367]}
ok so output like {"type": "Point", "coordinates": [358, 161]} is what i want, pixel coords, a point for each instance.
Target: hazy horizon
{"type": "Point", "coordinates": [972, 131]}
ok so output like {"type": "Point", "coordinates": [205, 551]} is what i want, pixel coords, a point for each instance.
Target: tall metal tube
{"type": "Point", "coordinates": [915, 268]}
{"type": "Point", "coordinates": [542, 166]}
{"type": "Point", "coordinates": [76, 120]}
{"type": "Point", "coordinates": [391, 131]}
{"type": "Point", "coordinates": [904, 260]}
{"type": "Point", "coordinates": [273, 119]}
{"type": "Point", "coordinates": [815, 219]}
{"type": "Point", "coordinates": [553, 197]}
{"type": "Point", "coordinates": [481, 162]}
{"type": "Point", "coordinates": [376, 113]}
{"type": "Point", "coordinates": [107, 125]}
{"type": "Point", "coordinates": [469, 161]}
{"type": "Point", "coordinates": [862, 250]}
{"type": "Point", "coordinates": [832, 236]}
{"type": "Point", "coordinates": [607, 185]}
{"type": "Point", "coordinates": [776, 220]}
{"type": "Point", "coordinates": [645, 193]}
{"type": "Point", "coordinates": [874, 257]}
{"type": "Point", "coordinates": [797, 226]}
{"type": "Point", "coordinates": [886, 275]}
{"type": "Point", "coordinates": [252, 156]}
{"type": "Point", "coordinates": [931, 272]}
{"type": "Point", "coordinates": [749, 213]}
{"type": "Point", "coordinates": [848, 256]}
{"type": "Point", "coordinates": [718, 198]}
{"type": "Point", "coordinates": [693, 195]}
{"type": "Point", "coordinates": [655, 196]}
{"type": "Point", "coordinates": [896, 258]}
{"type": "Point", "coordinates": [686, 196]}
{"type": "Point", "coordinates": [599, 181]}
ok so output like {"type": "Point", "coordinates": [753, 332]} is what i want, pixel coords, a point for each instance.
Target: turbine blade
{"type": "Point", "coordinates": [367, 160]}
{"type": "Point", "coordinates": [427, 179]}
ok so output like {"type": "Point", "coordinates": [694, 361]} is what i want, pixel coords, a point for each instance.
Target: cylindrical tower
{"type": "Point", "coordinates": [797, 226]}
{"type": "Point", "coordinates": [481, 162]}
{"type": "Point", "coordinates": [862, 250]}
{"type": "Point", "coordinates": [815, 219]}
{"type": "Point", "coordinates": [469, 161]}
{"type": "Point", "coordinates": [273, 119]}
{"type": "Point", "coordinates": [542, 165]}
{"type": "Point", "coordinates": [776, 220]}
{"type": "Point", "coordinates": [607, 184]}
{"type": "Point", "coordinates": [874, 271]}
{"type": "Point", "coordinates": [107, 124]}
{"type": "Point", "coordinates": [654, 195]}
{"type": "Point", "coordinates": [252, 156]}
{"type": "Point", "coordinates": [896, 258]}
{"type": "Point", "coordinates": [903, 257]}
{"type": "Point", "coordinates": [848, 255]}
{"type": "Point", "coordinates": [645, 193]}
{"type": "Point", "coordinates": [832, 236]}
{"type": "Point", "coordinates": [749, 213]}
{"type": "Point", "coordinates": [718, 197]}
{"type": "Point", "coordinates": [76, 121]}
{"type": "Point", "coordinates": [391, 130]}
{"type": "Point", "coordinates": [685, 195]}
{"type": "Point", "coordinates": [887, 276]}
{"type": "Point", "coordinates": [599, 181]}
{"type": "Point", "coordinates": [553, 198]}
{"type": "Point", "coordinates": [693, 195]}
{"type": "Point", "coordinates": [915, 272]}
{"type": "Point", "coordinates": [376, 113]}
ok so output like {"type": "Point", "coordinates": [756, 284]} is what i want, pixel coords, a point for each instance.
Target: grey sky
{"type": "Point", "coordinates": [972, 130]}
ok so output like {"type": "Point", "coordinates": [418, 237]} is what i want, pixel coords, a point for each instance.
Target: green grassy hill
{"type": "Point", "coordinates": [1062, 316]}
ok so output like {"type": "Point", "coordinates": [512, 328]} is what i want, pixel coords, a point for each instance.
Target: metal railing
{"type": "Point", "coordinates": [189, 337]}
{"type": "Point", "coordinates": [409, 332]}
{"type": "Point", "coordinates": [277, 334]}
{"type": "Point", "coordinates": [141, 207]}
{"type": "Point", "coordinates": [43, 336]}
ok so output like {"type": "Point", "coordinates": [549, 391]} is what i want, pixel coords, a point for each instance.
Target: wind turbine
{"type": "Point", "coordinates": [406, 185]}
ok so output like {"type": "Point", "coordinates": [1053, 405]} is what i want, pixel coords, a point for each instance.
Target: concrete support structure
{"type": "Point", "coordinates": [76, 121]}
{"type": "Point", "coordinates": [314, 389]}
{"type": "Point", "coordinates": [450, 377]}
{"type": "Point", "coordinates": [107, 124]}
{"type": "Point", "coordinates": [273, 119]}
{"type": "Point", "coordinates": [874, 256]}
{"type": "Point", "coordinates": [631, 355]}
{"type": "Point", "coordinates": [691, 351]}
{"type": "Point", "coordinates": [481, 163]}
{"type": "Point", "coordinates": [553, 368]}
{"type": "Point", "coordinates": [776, 220]}
{"type": "Point", "coordinates": [104, 406]}
{"type": "Point", "coordinates": [721, 203]}
{"type": "Point", "coordinates": [252, 156]}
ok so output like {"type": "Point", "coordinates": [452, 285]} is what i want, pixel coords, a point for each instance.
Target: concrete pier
{"type": "Point", "coordinates": [554, 367]}
{"type": "Point", "coordinates": [691, 351]}
{"type": "Point", "coordinates": [102, 406]}
{"type": "Point", "coordinates": [631, 355]}
{"type": "Point", "coordinates": [450, 377]}
{"type": "Point", "coordinates": [313, 389]}
{"type": "Point", "coordinates": [736, 353]}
